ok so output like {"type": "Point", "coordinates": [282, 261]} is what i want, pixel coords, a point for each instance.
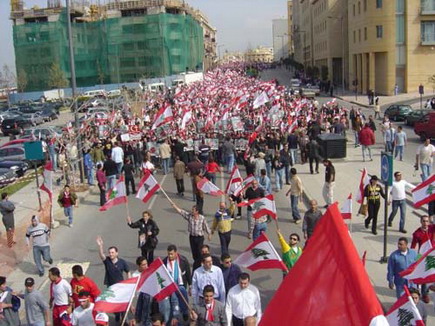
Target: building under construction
{"type": "Point", "coordinates": [116, 42]}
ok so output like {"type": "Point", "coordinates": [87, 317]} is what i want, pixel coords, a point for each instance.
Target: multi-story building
{"type": "Point", "coordinates": [210, 57]}
{"type": "Point", "coordinates": [259, 55]}
{"type": "Point", "coordinates": [290, 27]}
{"type": "Point", "coordinates": [120, 41]}
{"type": "Point", "coordinates": [280, 39]}
{"type": "Point", "coordinates": [391, 44]}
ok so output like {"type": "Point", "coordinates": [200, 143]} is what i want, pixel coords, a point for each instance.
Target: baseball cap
{"type": "Point", "coordinates": [102, 319]}
{"type": "Point", "coordinates": [29, 281]}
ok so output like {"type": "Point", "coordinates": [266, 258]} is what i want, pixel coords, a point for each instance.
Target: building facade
{"type": "Point", "coordinates": [290, 27]}
{"type": "Point", "coordinates": [391, 44]}
{"type": "Point", "coordinates": [259, 55]}
{"type": "Point", "coordinates": [280, 39]}
{"type": "Point", "coordinates": [125, 42]}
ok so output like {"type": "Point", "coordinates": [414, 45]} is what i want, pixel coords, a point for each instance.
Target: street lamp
{"type": "Point", "coordinates": [341, 19]}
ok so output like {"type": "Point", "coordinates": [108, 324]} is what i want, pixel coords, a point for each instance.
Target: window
{"type": "Point", "coordinates": [359, 7]}
{"type": "Point", "coordinates": [365, 5]}
{"type": "Point", "coordinates": [428, 32]}
{"type": "Point", "coordinates": [400, 29]}
{"type": "Point", "coordinates": [365, 33]}
{"type": "Point", "coordinates": [354, 9]}
{"type": "Point", "coordinates": [400, 6]}
{"type": "Point", "coordinates": [378, 4]}
{"type": "Point", "coordinates": [354, 36]}
{"type": "Point", "coordinates": [379, 31]}
{"type": "Point", "coordinates": [427, 5]}
{"type": "Point", "coordinates": [359, 35]}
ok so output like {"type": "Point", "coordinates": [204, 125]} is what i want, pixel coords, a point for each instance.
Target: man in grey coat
{"type": "Point", "coordinates": [211, 312]}
{"type": "Point", "coordinates": [7, 210]}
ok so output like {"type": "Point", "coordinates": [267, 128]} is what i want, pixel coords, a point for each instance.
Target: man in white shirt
{"type": "Point", "coordinates": [83, 315]}
{"type": "Point", "coordinates": [208, 274]}
{"type": "Point", "coordinates": [398, 197]}
{"type": "Point", "coordinates": [60, 298]}
{"type": "Point", "coordinates": [243, 301]}
{"type": "Point", "coordinates": [118, 157]}
{"type": "Point", "coordinates": [424, 157]}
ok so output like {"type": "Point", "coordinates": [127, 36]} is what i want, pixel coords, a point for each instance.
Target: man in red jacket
{"type": "Point", "coordinates": [82, 283]}
{"type": "Point", "coordinates": [366, 139]}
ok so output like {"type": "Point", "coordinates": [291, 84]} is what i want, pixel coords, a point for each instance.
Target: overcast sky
{"type": "Point", "coordinates": [240, 23]}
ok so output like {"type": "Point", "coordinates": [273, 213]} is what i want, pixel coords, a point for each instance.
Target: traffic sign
{"type": "Point", "coordinates": [33, 150]}
{"type": "Point", "coordinates": [387, 168]}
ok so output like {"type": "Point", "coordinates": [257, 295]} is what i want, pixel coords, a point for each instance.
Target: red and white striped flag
{"type": "Point", "coordinates": [244, 185]}
{"type": "Point", "coordinates": [47, 184]}
{"type": "Point", "coordinates": [208, 187]}
{"type": "Point", "coordinates": [424, 192]}
{"type": "Point", "coordinates": [163, 116]}
{"type": "Point", "coordinates": [148, 185]}
{"type": "Point", "coordinates": [234, 182]}
{"type": "Point", "coordinates": [404, 312]}
{"type": "Point", "coordinates": [364, 181]}
{"type": "Point", "coordinates": [261, 100]}
{"type": "Point", "coordinates": [425, 247]}
{"type": "Point", "coordinates": [260, 255]}
{"type": "Point", "coordinates": [423, 270]}
{"type": "Point", "coordinates": [187, 117]}
{"type": "Point", "coordinates": [346, 209]}
{"type": "Point", "coordinates": [157, 282]}
{"type": "Point", "coordinates": [116, 196]}
{"type": "Point", "coordinates": [117, 296]}
{"type": "Point", "coordinates": [262, 206]}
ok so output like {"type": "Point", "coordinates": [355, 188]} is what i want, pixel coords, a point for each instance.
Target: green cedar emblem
{"type": "Point", "coordinates": [107, 294]}
{"type": "Point", "coordinates": [257, 205]}
{"type": "Point", "coordinates": [260, 253]}
{"type": "Point", "coordinates": [161, 280]}
{"type": "Point", "coordinates": [430, 189]}
{"type": "Point", "coordinates": [429, 262]}
{"type": "Point", "coordinates": [113, 194]}
{"type": "Point", "coordinates": [405, 317]}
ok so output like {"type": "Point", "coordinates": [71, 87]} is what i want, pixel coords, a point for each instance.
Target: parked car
{"type": "Point", "coordinates": [425, 127]}
{"type": "Point", "coordinates": [49, 114]}
{"type": "Point", "coordinates": [36, 133]}
{"type": "Point", "coordinates": [15, 142]}
{"type": "Point", "coordinates": [18, 167]}
{"type": "Point", "coordinates": [14, 125]}
{"type": "Point", "coordinates": [415, 116]}
{"type": "Point", "coordinates": [16, 153]}
{"type": "Point", "coordinates": [7, 176]}
{"type": "Point", "coordinates": [398, 112]}
{"type": "Point", "coordinates": [34, 118]}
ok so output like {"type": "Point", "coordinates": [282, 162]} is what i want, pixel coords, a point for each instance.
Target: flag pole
{"type": "Point", "coordinates": [131, 301]}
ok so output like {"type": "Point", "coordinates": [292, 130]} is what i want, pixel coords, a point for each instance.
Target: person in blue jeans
{"type": "Point", "coordinates": [399, 261]}
{"type": "Point", "coordinates": [39, 233]}
{"type": "Point", "coordinates": [67, 199]}
{"type": "Point", "coordinates": [398, 197]}
{"type": "Point", "coordinates": [278, 165]}
{"type": "Point", "coordinates": [400, 143]}
{"type": "Point", "coordinates": [295, 191]}
{"type": "Point", "coordinates": [424, 159]}
{"type": "Point", "coordinates": [258, 226]}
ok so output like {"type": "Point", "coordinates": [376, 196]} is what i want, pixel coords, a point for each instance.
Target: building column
{"type": "Point", "coordinates": [358, 72]}
{"type": "Point", "coordinates": [364, 86]}
{"type": "Point", "coordinates": [372, 71]}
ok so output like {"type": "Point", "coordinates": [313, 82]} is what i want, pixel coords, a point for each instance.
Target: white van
{"type": "Point", "coordinates": [115, 92]}
{"type": "Point", "coordinates": [177, 82]}
{"type": "Point", "coordinates": [156, 87]}
{"type": "Point", "coordinates": [98, 92]}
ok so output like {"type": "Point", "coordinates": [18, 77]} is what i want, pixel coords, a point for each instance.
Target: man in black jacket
{"type": "Point", "coordinates": [253, 192]}
{"type": "Point", "coordinates": [287, 161]}
{"type": "Point", "coordinates": [179, 268]}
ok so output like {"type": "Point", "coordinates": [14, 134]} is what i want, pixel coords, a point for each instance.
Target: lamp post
{"type": "Point", "coordinates": [74, 89]}
{"type": "Point", "coordinates": [341, 19]}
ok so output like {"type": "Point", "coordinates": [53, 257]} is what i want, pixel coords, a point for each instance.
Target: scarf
{"type": "Point", "coordinates": [209, 311]}
{"type": "Point", "coordinates": [175, 270]}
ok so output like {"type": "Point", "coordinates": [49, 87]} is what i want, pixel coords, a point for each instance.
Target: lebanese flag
{"type": "Point", "coordinates": [47, 184]}
{"type": "Point", "coordinates": [425, 247]}
{"type": "Point", "coordinates": [424, 192]}
{"type": "Point", "coordinates": [116, 195]}
{"type": "Point", "coordinates": [423, 270]}
{"type": "Point", "coordinates": [157, 282]}
{"type": "Point", "coordinates": [261, 100]}
{"type": "Point", "coordinates": [244, 185]}
{"type": "Point", "coordinates": [187, 117]}
{"type": "Point", "coordinates": [148, 185]}
{"type": "Point", "coordinates": [260, 255]}
{"type": "Point", "coordinates": [117, 296]}
{"type": "Point", "coordinates": [292, 127]}
{"type": "Point", "coordinates": [163, 116]}
{"type": "Point", "coordinates": [346, 209]}
{"type": "Point", "coordinates": [235, 181]}
{"type": "Point", "coordinates": [364, 181]}
{"type": "Point", "coordinates": [208, 187]}
{"type": "Point", "coordinates": [404, 310]}
{"type": "Point", "coordinates": [262, 206]}
{"type": "Point", "coordinates": [343, 294]}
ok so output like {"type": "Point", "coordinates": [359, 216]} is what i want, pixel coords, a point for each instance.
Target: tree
{"type": "Point", "coordinates": [8, 80]}
{"type": "Point", "coordinates": [56, 78]}
{"type": "Point", "coordinates": [324, 73]}
{"type": "Point", "coordinates": [432, 81]}
{"type": "Point", "coordinates": [21, 80]}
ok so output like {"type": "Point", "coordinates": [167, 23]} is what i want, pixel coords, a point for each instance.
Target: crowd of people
{"type": "Point", "coordinates": [198, 131]}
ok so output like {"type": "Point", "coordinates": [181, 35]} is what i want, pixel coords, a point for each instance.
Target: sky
{"type": "Point", "coordinates": [241, 24]}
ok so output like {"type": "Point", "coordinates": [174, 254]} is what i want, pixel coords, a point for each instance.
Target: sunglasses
{"type": "Point", "coordinates": [295, 239]}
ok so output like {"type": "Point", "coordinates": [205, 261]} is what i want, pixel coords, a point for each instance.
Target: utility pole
{"type": "Point", "coordinates": [74, 89]}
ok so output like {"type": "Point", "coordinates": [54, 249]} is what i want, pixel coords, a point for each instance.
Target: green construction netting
{"type": "Point", "coordinates": [114, 50]}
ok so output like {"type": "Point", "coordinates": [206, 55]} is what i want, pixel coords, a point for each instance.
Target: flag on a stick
{"type": "Point", "coordinates": [116, 196]}
{"type": "Point", "coordinates": [260, 255]}
{"type": "Point", "coordinates": [424, 192]}
{"type": "Point", "coordinates": [364, 181]}
{"type": "Point", "coordinates": [163, 116]}
{"type": "Point", "coordinates": [234, 182]}
{"type": "Point", "coordinates": [208, 187]}
{"type": "Point", "coordinates": [261, 100]}
{"type": "Point", "coordinates": [148, 185]}
{"type": "Point", "coordinates": [346, 209]}
{"type": "Point", "coordinates": [244, 185]}
{"type": "Point", "coordinates": [423, 270]}
{"type": "Point", "coordinates": [156, 281]}
{"type": "Point", "coordinates": [47, 184]}
{"type": "Point", "coordinates": [404, 312]}
{"type": "Point", "coordinates": [343, 294]}
{"type": "Point", "coordinates": [261, 206]}
{"type": "Point", "coordinates": [117, 296]}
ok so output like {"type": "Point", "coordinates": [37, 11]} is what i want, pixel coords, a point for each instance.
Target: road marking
{"type": "Point", "coordinates": [154, 198]}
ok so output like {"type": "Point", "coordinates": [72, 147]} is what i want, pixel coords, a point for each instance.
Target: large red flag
{"type": "Point", "coordinates": [333, 287]}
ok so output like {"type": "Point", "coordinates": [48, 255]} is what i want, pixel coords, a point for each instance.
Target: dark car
{"type": "Point", "coordinates": [18, 167]}
{"type": "Point", "coordinates": [49, 114]}
{"type": "Point", "coordinates": [415, 116]}
{"type": "Point", "coordinates": [398, 112]}
{"type": "Point", "coordinates": [7, 176]}
{"type": "Point", "coordinates": [14, 125]}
